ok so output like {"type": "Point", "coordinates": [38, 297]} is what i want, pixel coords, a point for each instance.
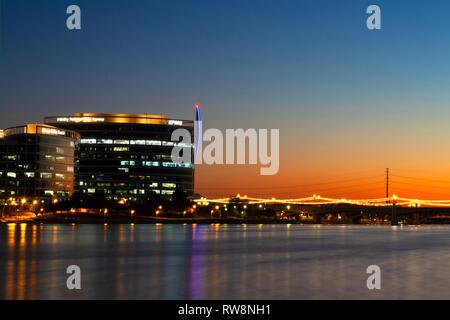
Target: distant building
{"type": "Point", "coordinates": [37, 161]}
{"type": "Point", "coordinates": [127, 155]}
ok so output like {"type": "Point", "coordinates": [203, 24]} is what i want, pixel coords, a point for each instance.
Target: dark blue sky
{"type": "Point", "coordinates": [306, 58]}
{"type": "Point", "coordinates": [310, 68]}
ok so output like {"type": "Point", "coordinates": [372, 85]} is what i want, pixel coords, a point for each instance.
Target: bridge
{"type": "Point", "coordinates": [318, 209]}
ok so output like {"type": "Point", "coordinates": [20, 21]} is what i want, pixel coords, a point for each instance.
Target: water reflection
{"type": "Point", "coordinates": [223, 261]}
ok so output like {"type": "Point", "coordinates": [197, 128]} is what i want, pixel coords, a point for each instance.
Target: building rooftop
{"type": "Point", "coordinates": [39, 129]}
{"type": "Point", "coordinates": [116, 118]}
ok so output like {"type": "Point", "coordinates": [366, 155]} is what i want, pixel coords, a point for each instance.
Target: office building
{"type": "Point", "coordinates": [127, 155]}
{"type": "Point", "coordinates": [37, 162]}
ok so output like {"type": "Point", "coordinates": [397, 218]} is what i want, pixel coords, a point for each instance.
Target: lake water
{"type": "Point", "coordinates": [224, 261]}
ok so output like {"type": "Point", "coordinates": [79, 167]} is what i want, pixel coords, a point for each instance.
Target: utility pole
{"type": "Point", "coordinates": [387, 185]}
{"type": "Point", "coordinates": [394, 218]}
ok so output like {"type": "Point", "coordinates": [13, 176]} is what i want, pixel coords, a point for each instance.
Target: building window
{"type": "Point", "coordinates": [153, 143]}
{"type": "Point", "coordinates": [169, 185]}
{"type": "Point", "coordinates": [88, 141]}
{"type": "Point", "coordinates": [177, 165]}
{"type": "Point", "coordinates": [150, 163]}
{"type": "Point", "coordinates": [59, 176]}
{"type": "Point", "coordinates": [121, 141]}
{"type": "Point", "coordinates": [46, 175]}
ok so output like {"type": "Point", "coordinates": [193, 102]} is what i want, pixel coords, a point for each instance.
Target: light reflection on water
{"type": "Point", "coordinates": [223, 261]}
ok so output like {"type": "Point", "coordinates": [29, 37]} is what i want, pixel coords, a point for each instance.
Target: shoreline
{"type": "Point", "coordinates": [184, 221]}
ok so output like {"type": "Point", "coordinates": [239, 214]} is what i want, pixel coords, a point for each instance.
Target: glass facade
{"type": "Point", "coordinates": [37, 161]}
{"type": "Point", "coordinates": [128, 156]}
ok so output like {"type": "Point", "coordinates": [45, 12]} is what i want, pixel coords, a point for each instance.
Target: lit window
{"type": "Point", "coordinates": [29, 174]}
{"type": "Point", "coordinates": [88, 141]}
{"type": "Point", "coordinates": [177, 165]}
{"type": "Point", "coordinates": [49, 157]}
{"type": "Point", "coordinates": [48, 192]}
{"type": "Point", "coordinates": [169, 192]}
{"type": "Point", "coordinates": [106, 141]}
{"type": "Point", "coordinates": [169, 185]}
{"type": "Point", "coordinates": [169, 164]}
{"type": "Point", "coordinates": [69, 169]}
{"type": "Point", "coordinates": [59, 176]}
{"type": "Point", "coordinates": [46, 175]}
{"type": "Point", "coordinates": [121, 149]}
{"type": "Point", "coordinates": [185, 145]}
{"type": "Point", "coordinates": [121, 141]}
{"type": "Point", "coordinates": [153, 143]}
{"type": "Point", "coordinates": [11, 174]}
{"type": "Point", "coordinates": [150, 163]}
{"type": "Point", "coordinates": [91, 190]}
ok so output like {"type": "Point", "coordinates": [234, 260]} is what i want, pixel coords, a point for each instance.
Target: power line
{"type": "Point", "coordinates": [303, 185]}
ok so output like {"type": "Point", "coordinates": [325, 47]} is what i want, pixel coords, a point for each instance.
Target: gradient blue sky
{"type": "Point", "coordinates": [345, 98]}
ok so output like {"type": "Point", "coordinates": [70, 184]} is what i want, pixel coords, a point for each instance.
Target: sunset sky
{"type": "Point", "coordinates": [349, 102]}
